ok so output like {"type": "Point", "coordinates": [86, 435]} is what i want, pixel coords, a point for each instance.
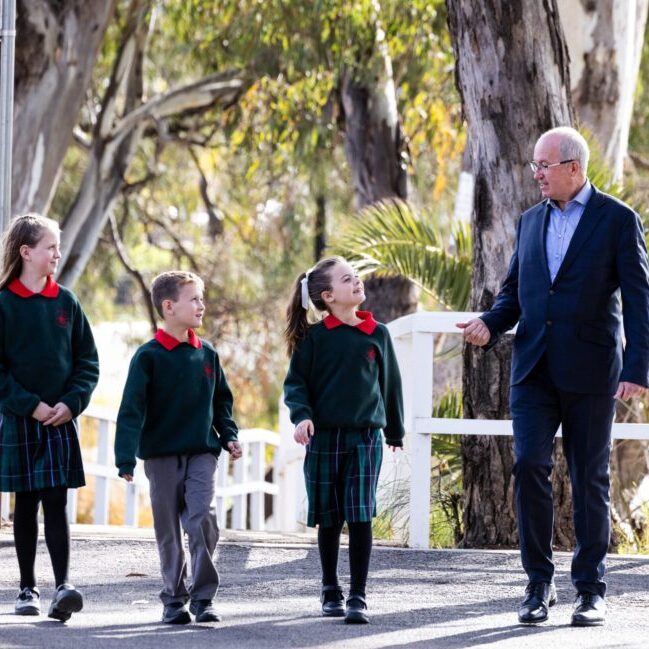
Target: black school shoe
{"type": "Point", "coordinates": [175, 613]}
{"type": "Point", "coordinates": [333, 602]}
{"type": "Point", "coordinates": [356, 610]}
{"type": "Point", "coordinates": [28, 601]}
{"type": "Point", "coordinates": [67, 600]}
{"type": "Point", "coordinates": [204, 611]}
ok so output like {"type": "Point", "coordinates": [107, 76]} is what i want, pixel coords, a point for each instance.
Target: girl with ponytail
{"type": "Point", "coordinates": [342, 388]}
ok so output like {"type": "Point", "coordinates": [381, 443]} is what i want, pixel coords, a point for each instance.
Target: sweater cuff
{"type": "Point", "coordinates": [228, 436]}
{"type": "Point", "coordinates": [301, 415]}
{"type": "Point", "coordinates": [33, 404]}
{"type": "Point", "coordinates": [394, 442]}
{"type": "Point", "coordinates": [126, 469]}
{"type": "Point", "coordinates": [72, 403]}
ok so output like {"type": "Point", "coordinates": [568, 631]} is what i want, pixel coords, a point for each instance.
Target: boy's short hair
{"type": "Point", "coordinates": [167, 285]}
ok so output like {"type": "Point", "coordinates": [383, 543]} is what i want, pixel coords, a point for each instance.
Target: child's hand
{"type": "Point", "coordinates": [303, 432]}
{"type": "Point", "coordinates": [42, 412]}
{"type": "Point", "coordinates": [395, 448]}
{"type": "Point", "coordinates": [235, 450]}
{"type": "Point", "coordinates": [128, 477]}
{"type": "Point", "coordinates": [61, 414]}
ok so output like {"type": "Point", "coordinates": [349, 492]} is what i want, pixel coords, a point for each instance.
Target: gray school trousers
{"type": "Point", "coordinates": [182, 490]}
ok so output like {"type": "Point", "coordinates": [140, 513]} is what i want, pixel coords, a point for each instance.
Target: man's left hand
{"type": "Point", "coordinates": [627, 390]}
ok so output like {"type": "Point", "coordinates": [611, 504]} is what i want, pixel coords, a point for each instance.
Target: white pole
{"type": "Point", "coordinates": [8, 37]}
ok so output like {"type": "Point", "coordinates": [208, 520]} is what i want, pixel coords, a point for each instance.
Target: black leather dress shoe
{"type": "Point", "coordinates": [589, 610]}
{"type": "Point", "coordinates": [333, 602]}
{"type": "Point", "coordinates": [539, 597]}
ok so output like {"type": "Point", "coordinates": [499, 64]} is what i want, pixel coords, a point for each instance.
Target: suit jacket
{"type": "Point", "coordinates": [576, 320]}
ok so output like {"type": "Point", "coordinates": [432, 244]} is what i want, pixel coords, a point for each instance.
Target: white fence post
{"type": "Point", "coordinates": [4, 506]}
{"type": "Point", "coordinates": [419, 398]}
{"type": "Point", "coordinates": [102, 483]}
{"type": "Point", "coordinates": [221, 484]}
{"type": "Point", "coordinates": [131, 515]}
{"type": "Point", "coordinates": [289, 511]}
{"type": "Point", "coordinates": [240, 501]}
{"type": "Point", "coordinates": [257, 521]}
{"type": "Point", "coordinates": [71, 506]}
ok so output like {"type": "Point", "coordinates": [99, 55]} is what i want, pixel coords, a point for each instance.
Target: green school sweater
{"type": "Point", "coordinates": [344, 376]}
{"type": "Point", "coordinates": [176, 401]}
{"type": "Point", "coordinates": [47, 351]}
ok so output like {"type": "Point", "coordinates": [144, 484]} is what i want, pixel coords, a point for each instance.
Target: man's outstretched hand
{"type": "Point", "coordinates": [475, 332]}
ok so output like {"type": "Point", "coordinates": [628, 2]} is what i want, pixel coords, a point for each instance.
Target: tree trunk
{"type": "Point", "coordinates": [376, 153]}
{"type": "Point", "coordinates": [320, 230]}
{"type": "Point", "coordinates": [56, 50]}
{"type": "Point", "coordinates": [118, 133]}
{"type": "Point", "coordinates": [512, 73]}
{"type": "Point", "coordinates": [605, 40]}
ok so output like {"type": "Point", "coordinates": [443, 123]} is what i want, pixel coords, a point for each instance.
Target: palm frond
{"type": "Point", "coordinates": [389, 238]}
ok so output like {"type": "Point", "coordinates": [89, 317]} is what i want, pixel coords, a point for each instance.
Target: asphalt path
{"type": "Point", "coordinates": [269, 599]}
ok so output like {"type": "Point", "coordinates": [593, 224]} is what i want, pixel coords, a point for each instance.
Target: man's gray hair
{"type": "Point", "coordinates": [572, 145]}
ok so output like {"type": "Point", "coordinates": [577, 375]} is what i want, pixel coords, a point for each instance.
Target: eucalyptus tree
{"type": "Point", "coordinates": [329, 73]}
{"type": "Point", "coordinates": [514, 82]}
{"type": "Point", "coordinates": [605, 41]}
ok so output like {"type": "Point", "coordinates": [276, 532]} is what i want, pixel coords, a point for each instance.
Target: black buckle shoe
{"type": "Point", "coordinates": [203, 610]}
{"type": "Point", "coordinates": [67, 600]}
{"type": "Point", "coordinates": [175, 613]}
{"type": "Point", "coordinates": [589, 610]}
{"type": "Point", "coordinates": [356, 610]}
{"type": "Point", "coordinates": [539, 597]}
{"type": "Point", "coordinates": [333, 602]}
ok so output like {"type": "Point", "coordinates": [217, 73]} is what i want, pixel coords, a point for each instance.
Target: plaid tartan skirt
{"type": "Point", "coordinates": [33, 456]}
{"type": "Point", "coordinates": [341, 470]}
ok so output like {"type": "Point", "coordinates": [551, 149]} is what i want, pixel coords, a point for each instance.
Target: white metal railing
{"type": "Point", "coordinates": [413, 337]}
{"type": "Point", "coordinates": [235, 481]}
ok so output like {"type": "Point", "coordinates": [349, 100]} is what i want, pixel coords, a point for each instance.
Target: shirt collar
{"type": "Point", "coordinates": [582, 196]}
{"type": "Point", "coordinates": [169, 342]}
{"type": "Point", "coordinates": [51, 288]}
{"type": "Point", "coordinates": [367, 326]}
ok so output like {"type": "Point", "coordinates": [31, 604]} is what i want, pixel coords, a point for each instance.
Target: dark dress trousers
{"type": "Point", "coordinates": [568, 360]}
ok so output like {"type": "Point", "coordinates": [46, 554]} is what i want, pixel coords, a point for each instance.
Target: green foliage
{"type": "Point", "coordinates": [600, 174]}
{"type": "Point", "coordinates": [390, 238]}
{"type": "Point", "coordinates": [639, 131]}
{"type": "Point", "coordinates": [265, 160]}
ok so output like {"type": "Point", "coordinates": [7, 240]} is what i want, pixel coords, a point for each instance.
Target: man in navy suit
{"type": "Point", "coordinates": [579, 270]}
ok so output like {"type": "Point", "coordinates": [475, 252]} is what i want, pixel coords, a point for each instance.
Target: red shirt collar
{"type": "Point", "coordinates": [169, 342]}
{"type": "Point", "coordinates": [51, 288]}
{"type": "Point", "coordinates": [367, 326]}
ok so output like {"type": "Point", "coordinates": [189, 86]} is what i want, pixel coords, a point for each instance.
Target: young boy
{"type": "Point", "coordinates": [176, 415]}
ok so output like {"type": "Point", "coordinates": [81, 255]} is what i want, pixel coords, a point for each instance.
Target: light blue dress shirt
{"type": "Point", "coordinates": [562, 226]}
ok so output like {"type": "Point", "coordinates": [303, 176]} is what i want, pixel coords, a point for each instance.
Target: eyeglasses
{"type": "Point", "coordinates": [544, 166]}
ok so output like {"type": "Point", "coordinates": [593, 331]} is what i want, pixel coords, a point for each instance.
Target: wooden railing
{"type": "Point", "coordinates": [238, 484]}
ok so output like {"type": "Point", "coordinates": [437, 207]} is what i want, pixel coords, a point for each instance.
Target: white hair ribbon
{"type": "Point", "coordinates": [305, 292]}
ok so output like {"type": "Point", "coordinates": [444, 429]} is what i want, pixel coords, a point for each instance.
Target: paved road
{"type": "Point", "coordinates": [268, 600]}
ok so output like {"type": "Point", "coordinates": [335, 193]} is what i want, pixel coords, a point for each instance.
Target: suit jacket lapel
{"type": "Point", "coordinates": [589, 219]}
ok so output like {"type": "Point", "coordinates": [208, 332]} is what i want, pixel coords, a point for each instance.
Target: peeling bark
{"type": "Point", "coordinates": [605, 41]}
{"type": "Point", "coordinates": [56, 49]}
{"type": "Point", "coordinates": [119, 129]}
{"type": "Point", "coordinates": [377, 156]}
